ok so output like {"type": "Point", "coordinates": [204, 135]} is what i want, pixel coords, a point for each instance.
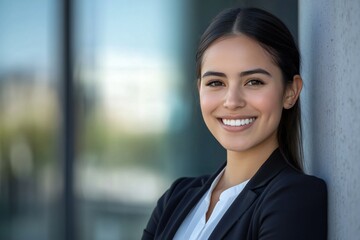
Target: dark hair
{"type": "Point", "coordinates": [272, 34]}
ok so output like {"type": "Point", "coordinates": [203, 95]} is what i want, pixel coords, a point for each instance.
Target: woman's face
{"type": "Point", "coordinates": [241, 94]}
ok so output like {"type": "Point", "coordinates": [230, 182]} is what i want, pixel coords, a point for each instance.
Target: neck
{"type": "Point", "coordinates": [242, 166]}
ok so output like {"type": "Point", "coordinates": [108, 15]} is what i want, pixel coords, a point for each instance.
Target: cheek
{"type": "Point", "coordinates": [269, 102]}
{"type": "Point", "coordinates": [208, 101]}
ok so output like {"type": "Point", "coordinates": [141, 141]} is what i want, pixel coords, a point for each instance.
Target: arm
{"type": "Point", "coordinates": [296, 211]}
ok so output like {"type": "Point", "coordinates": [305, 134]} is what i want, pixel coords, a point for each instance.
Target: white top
{"type": "Point", "coordinates": [194, 226]}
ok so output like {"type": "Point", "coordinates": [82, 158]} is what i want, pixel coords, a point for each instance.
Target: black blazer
{"type": "Point", "coordinates": [278, 203]}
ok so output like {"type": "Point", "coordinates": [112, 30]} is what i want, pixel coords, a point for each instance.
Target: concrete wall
{"type": "Point", "coordinates": [329, 36]}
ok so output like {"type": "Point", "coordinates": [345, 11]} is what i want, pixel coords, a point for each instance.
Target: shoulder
{"type": "Point", "coordinates": [296, 200]}
{"type": "Point", "coordinates": [296, 189]}
{"type": "Point", "coordinates": [294, 181]}
{"type": "Point", "coordinates": [168, 202]}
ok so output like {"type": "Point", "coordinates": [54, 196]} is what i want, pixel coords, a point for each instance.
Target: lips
{"type": "Point", "coordinates": [237, 122]}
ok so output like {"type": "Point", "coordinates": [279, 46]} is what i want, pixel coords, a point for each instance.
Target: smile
{"type": "Point", "coordinates": [237, 122]}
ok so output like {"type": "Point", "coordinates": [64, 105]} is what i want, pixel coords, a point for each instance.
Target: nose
{"type": "Point", "coordinates": [234, 98]}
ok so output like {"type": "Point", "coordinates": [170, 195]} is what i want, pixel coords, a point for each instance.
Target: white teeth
{"type": "Point", "coordinates": [237, 122]}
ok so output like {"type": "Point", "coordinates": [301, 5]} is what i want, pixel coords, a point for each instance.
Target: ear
{"type": "Point", "coordinates": [292, 92]}
{"type": "Point", "coordinates": [198, 84]}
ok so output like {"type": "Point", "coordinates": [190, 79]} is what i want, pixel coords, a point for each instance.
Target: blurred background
{"type": "Point", "coordinates": [99, 112]}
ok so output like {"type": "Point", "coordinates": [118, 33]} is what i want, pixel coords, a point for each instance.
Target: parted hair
{"type": "Point", "coordinates": [273, 35]}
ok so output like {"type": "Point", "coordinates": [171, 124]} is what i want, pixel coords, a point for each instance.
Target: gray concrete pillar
{"type": "Point", "coordinates": [329, 37]}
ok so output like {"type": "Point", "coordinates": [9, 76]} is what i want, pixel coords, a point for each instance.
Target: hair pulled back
{"type": "Point", "coordinates": [272, 34]}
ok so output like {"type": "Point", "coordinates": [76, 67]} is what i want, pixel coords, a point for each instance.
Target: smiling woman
{"type": "Point", "coordinates": [251, 91]}
{"type": "Point", "coordinates": [249, 87]}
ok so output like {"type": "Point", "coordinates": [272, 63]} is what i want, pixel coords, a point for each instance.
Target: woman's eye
{"type": "Point", "coordinates": [254, 82]}
{"type": "Point", "coordinates": [215, 84]}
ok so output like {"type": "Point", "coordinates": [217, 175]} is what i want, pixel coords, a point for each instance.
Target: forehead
{"type": "Point", "coordinates": [240, 52]}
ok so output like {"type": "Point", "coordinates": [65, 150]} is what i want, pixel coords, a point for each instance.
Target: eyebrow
{"type": "Point", "coordinates": [242, 74]}
{"type": "Point", "coordinates": [212, 73]}
{"type": "Point", "coordinates": [254, 71]}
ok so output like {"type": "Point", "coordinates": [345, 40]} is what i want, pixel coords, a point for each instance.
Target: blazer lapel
{"type": "Point", "coordinates": [234, 212]}
{"type": "Point", "coordinates": [190, 199]}
{"type": "Point", "coordinates": [273, 165]}
{"type": "Point", "coordinates": [188, 202]}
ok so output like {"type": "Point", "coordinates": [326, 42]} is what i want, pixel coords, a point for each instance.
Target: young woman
{"type": "Point", "coordinates": [248, 69]}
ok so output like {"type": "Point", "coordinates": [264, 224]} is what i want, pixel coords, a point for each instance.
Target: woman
{"type": "Point", "coordinates": [249, 84]}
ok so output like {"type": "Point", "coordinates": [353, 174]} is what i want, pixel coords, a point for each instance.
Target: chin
{"type": "Point", "coordinates": [236, 147]}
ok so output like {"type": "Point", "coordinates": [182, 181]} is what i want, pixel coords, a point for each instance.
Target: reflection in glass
{"type": "Point", "coordinates": [28, 122]}
{"type": "Point", "coordinates": [128, 68]}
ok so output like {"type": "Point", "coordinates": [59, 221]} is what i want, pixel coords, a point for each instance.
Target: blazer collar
{"type": "Point", "coordinates": [272, 166]}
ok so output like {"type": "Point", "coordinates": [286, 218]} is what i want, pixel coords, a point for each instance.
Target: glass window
{"type": "Point", "coordinates": [29, 110]}
{"type": "Point", "coordinates": [130, 99]}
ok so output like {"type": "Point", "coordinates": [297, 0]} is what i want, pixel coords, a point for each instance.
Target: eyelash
{"type": "Point", "coordinates": [215, 83]}
{"type": "Point", "coordinates": [218, 83]}
{"type": "Point", "coordinates": [255, 82]}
